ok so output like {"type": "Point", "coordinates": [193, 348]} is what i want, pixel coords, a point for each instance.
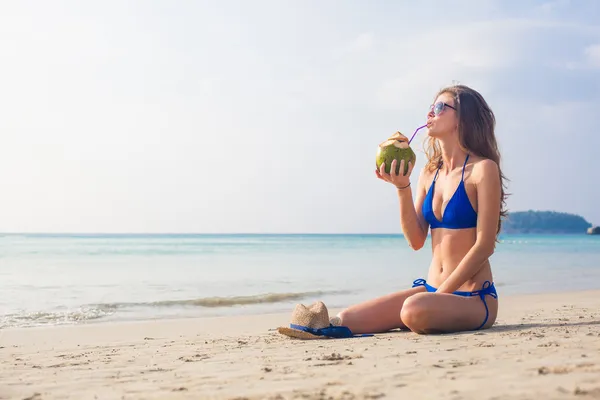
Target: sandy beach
{"type": "Point", "coordinates": [542, 346]}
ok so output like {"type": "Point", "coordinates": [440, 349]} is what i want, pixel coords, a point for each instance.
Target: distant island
{"type": "Point", "coordinates": [544, 222]}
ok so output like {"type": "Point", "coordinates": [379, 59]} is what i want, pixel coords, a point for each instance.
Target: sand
{"type": "Point", "coordinates": [542, 347]}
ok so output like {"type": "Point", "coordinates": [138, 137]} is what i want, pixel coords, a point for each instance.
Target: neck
{"type": "Point", "coordinates": [452, 155]}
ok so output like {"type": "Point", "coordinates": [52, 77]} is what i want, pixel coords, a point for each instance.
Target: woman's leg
{"type": "Point", "coordinates": [442, 313]}
{"type": "Point", "coordinates": [377, 315]}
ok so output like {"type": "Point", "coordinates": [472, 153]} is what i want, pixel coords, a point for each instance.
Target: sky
{"type": "Point", "coordinates": [265, 116]}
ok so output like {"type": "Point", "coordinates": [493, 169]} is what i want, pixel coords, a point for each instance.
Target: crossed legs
{"type": "Point", "coordinates": [420, 311]}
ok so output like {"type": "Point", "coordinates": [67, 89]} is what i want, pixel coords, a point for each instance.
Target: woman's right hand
{"type": "Point", "coordinates": [400, 180]}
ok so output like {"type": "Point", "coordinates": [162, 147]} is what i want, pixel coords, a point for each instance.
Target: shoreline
{"type": "Point", "coordinates": [542, 346]}
{"type": "Point", "coordinates": [593, 289]}
{"type": "Point", "coordinates": [511, 299]}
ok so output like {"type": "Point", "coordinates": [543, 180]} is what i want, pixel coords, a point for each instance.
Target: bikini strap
{"type": "Point", "coordinates": [463, 171]}
{"type": "Point", "coordinates": [437, 171]}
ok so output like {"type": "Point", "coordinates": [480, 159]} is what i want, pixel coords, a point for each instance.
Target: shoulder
{"type": "Point", "coordinates": [484, 169]}
{"type": "Point", "coordinates": [426, 175]}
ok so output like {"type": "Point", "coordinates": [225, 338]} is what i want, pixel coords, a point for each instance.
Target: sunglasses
{"type": "Point", "coordinates": [438, 107]}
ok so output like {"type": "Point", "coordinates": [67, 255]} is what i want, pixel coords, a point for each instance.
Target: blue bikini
{"type": "Point", "coordinates": [459, 214]}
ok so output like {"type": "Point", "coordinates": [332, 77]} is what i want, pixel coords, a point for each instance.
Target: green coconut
{"type": "Point", "coordinates": [395, 148]}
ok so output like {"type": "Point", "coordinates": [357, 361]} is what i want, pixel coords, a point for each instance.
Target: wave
{"type": "Point", "coordinates": [97, 311]}
{"type": "Point", "coordinates": [216, 301]}
{"type": "Point", "coordinates": [40, 318]}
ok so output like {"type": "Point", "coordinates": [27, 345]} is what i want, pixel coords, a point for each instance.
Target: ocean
{"type": "Point", "coordinates": [51, 279]}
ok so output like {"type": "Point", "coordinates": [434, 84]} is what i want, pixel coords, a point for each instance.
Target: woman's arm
{"type": "Point", "coordinates": [487, 181]}
{"type": "Point", "coordinates": [414, 226]}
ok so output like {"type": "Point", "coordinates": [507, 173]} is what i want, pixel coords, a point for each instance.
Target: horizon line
{"type": "Point", "coordinates": [66, 233]}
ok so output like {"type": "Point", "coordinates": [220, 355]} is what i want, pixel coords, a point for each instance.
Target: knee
{"type": "Point", "coordinates": [415, 314]}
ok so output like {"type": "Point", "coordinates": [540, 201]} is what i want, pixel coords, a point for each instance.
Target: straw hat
{"type": "Point", "coordinates": [313, 322]}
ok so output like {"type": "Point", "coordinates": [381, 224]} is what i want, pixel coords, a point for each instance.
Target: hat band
{"type": "Point", "coordinates": [330, 331]}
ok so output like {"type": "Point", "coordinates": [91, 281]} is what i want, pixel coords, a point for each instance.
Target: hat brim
{"type": "Point", "coordinates": [298, 334]}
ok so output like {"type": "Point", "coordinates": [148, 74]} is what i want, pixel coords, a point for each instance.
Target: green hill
{"type": "Point", "coordinates": [544, 222]}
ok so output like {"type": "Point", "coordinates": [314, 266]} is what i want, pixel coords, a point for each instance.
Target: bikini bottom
{"type": "Point", "coordinates": [487, 289]}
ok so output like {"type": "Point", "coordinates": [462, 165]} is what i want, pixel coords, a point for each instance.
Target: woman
{"type": "Point", "coordinates": [460, 195]}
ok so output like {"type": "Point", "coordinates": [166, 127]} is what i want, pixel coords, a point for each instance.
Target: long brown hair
{"type": "Point", "coordinates": [476, 134]}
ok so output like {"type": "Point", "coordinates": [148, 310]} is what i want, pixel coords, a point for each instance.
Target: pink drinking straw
{"type": "Point", "coordinates": [411, 138]}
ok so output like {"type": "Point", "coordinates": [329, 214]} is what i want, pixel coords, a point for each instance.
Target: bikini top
{"type": "Point", "coordinates": [458, 214]}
